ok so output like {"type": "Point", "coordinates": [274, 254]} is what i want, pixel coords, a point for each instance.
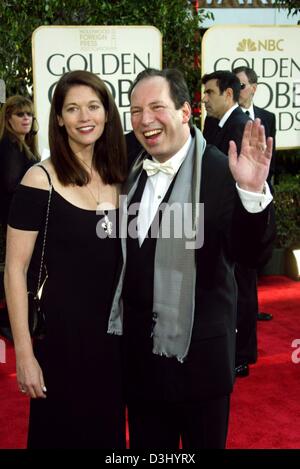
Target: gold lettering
{"type": "Point", "coordinates": [263, 45]}
{"type": "Point", "coordinates": [270, 45]}
{"type": "Point", "coordinates": [278, 48]}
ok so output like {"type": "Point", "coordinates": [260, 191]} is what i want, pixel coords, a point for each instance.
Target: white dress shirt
{"type": "Point", "coordinates": [155, 189]}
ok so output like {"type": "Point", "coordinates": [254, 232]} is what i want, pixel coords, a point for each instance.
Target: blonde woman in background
{"type": "Point", "coordinates": [18, 151]}
{"type": "Point", "coordinates": [17, 154]}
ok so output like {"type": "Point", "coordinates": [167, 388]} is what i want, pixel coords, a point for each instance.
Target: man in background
{"type": "Point", "coordinates": [246, 344]}
{"type": "Point", "coordinates": [225, 120]}
{"type": "Point", "coordinates": [248, 79]}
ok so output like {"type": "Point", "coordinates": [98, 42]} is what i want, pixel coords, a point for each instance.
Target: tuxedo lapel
{"type": "Point", "coordinates": [133, 178]}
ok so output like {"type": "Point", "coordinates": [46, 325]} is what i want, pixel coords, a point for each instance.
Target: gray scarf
{"type": "Point", "coordinates": [175, 261]}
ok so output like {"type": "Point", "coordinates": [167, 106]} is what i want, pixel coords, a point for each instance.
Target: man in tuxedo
{"type": "Point", "coordinates": [178, 290]}
{"type": "Point", "coordinates": [221, 97]}
{"type": "Point", "coordinates": [246, 344]}
{"type": "Point", "coordinates": [225, 120]}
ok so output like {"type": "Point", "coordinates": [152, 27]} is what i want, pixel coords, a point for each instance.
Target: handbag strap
{"type": "Point", "coordinates": [46, 228]}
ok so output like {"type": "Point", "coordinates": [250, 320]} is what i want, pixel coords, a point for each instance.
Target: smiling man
{"type": "Point", "coordinates": [180, 303]}
{"type": "Point", "coordinates": [161, 135]}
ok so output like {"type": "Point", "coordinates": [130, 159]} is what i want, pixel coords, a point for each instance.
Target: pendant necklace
{"type": "Point", "coordinates": [107, 223]}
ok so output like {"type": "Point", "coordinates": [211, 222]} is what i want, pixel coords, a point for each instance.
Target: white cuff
{"type": "Point", "coordinates": [255, 202]}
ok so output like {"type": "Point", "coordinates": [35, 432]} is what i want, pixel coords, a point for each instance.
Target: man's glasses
{"type": "Point", "coordinates": [23, 113]}
{"type": "Point", "coordinates": [243, 86]}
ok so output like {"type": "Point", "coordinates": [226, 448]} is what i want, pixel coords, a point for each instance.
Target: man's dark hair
{"type": "Point", "coordinates": [178, 88]}
{"type": "Point", "coordinates": [249, 72]}
{"type": "Point", "coordinates": [225, 79]}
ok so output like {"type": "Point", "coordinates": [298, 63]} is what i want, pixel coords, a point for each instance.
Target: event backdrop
{"type": "Point", "coordinates": [116, 53]}
{"type": "Point", "coordinates": [273, 52]}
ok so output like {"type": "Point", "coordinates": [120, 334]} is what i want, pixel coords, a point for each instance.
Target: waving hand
{"type": "Point", "coordinates": [250, 169]}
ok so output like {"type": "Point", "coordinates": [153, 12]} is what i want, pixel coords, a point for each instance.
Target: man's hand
{"type": "Point", "coordinates": [251, 168]}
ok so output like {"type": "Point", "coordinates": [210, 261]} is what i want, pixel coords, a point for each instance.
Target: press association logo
{"type": "Point", "coordinates": [296, 353]}
{"type": "Point", "coordinates": [250, 45]}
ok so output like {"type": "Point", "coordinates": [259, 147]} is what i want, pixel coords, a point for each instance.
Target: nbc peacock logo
{"type": "Point", "coordinates": [246, 44]}
{"type": "Point", "coordinates": [271, 45]}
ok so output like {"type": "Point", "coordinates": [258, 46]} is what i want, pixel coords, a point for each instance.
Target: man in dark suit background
{"type": "Point", "coordinates": [246, 345]}
{"type": "Point", "coordinates": [180, 303]}
{"type": "Point", "coordinates": [225, 120]}
{"type": "Point", "coordinates": [249, 80]}
{"type": "Point", "coordinates": [221, 98]}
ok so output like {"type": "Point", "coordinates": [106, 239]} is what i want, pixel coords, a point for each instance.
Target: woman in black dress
{"type": "Point", "coordinates": [73, 374]}
{"type": "Point", "coordinates": [18, 153]}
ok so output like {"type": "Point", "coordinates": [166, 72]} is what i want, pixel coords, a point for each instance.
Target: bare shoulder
{"type": "Point", "coordinates": [36, 176]}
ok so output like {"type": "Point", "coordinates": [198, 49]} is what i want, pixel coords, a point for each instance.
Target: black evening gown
{"type": "Point", "coordinates": [81, 363]}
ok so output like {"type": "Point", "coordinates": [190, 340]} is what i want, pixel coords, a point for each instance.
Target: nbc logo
{"type": "Point", "coordinates": [271, 45]}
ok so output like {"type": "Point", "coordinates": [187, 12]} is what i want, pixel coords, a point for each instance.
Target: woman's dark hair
{"type": "Point", "coordinates": [12, 105]}
{"type": "Point", "coordinates": [109, 157]}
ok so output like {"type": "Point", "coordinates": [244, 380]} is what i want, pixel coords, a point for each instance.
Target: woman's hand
{"type": "Point", "coordinates": [30, 377]}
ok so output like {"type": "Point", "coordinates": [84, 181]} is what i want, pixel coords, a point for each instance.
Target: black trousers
{"type": "Point", "coordinates": [160, 425]}
{"type": "Point", "coordinates": [247, 309]}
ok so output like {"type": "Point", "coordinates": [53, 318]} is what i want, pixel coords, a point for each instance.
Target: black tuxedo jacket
{"type": "Point", "coordinates": [232, 130]}
{"type": "Point", "coordinates": [230, 234]}
{"type": "Point", "coordinates": [268, 119]}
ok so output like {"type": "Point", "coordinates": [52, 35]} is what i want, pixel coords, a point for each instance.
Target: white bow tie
{"type": "Point", "coordinates": [151, 167]}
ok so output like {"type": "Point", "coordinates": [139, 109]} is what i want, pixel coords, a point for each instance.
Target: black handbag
{"type": "Point", "coordinates": [36, 316]}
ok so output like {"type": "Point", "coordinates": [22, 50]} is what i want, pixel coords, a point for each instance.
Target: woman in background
{"type": "Point", "coordinates": [73, 375]}
{"type": "Point", "coordinates": [17, 153]}
{"type": "Point", "coordinates": [17, 148]}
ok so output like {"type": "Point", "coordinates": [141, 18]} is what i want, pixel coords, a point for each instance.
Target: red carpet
{"type": "Point", "coordinates": [265, 406]}
{"type": "Point", "coordinates": [14, 406]}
